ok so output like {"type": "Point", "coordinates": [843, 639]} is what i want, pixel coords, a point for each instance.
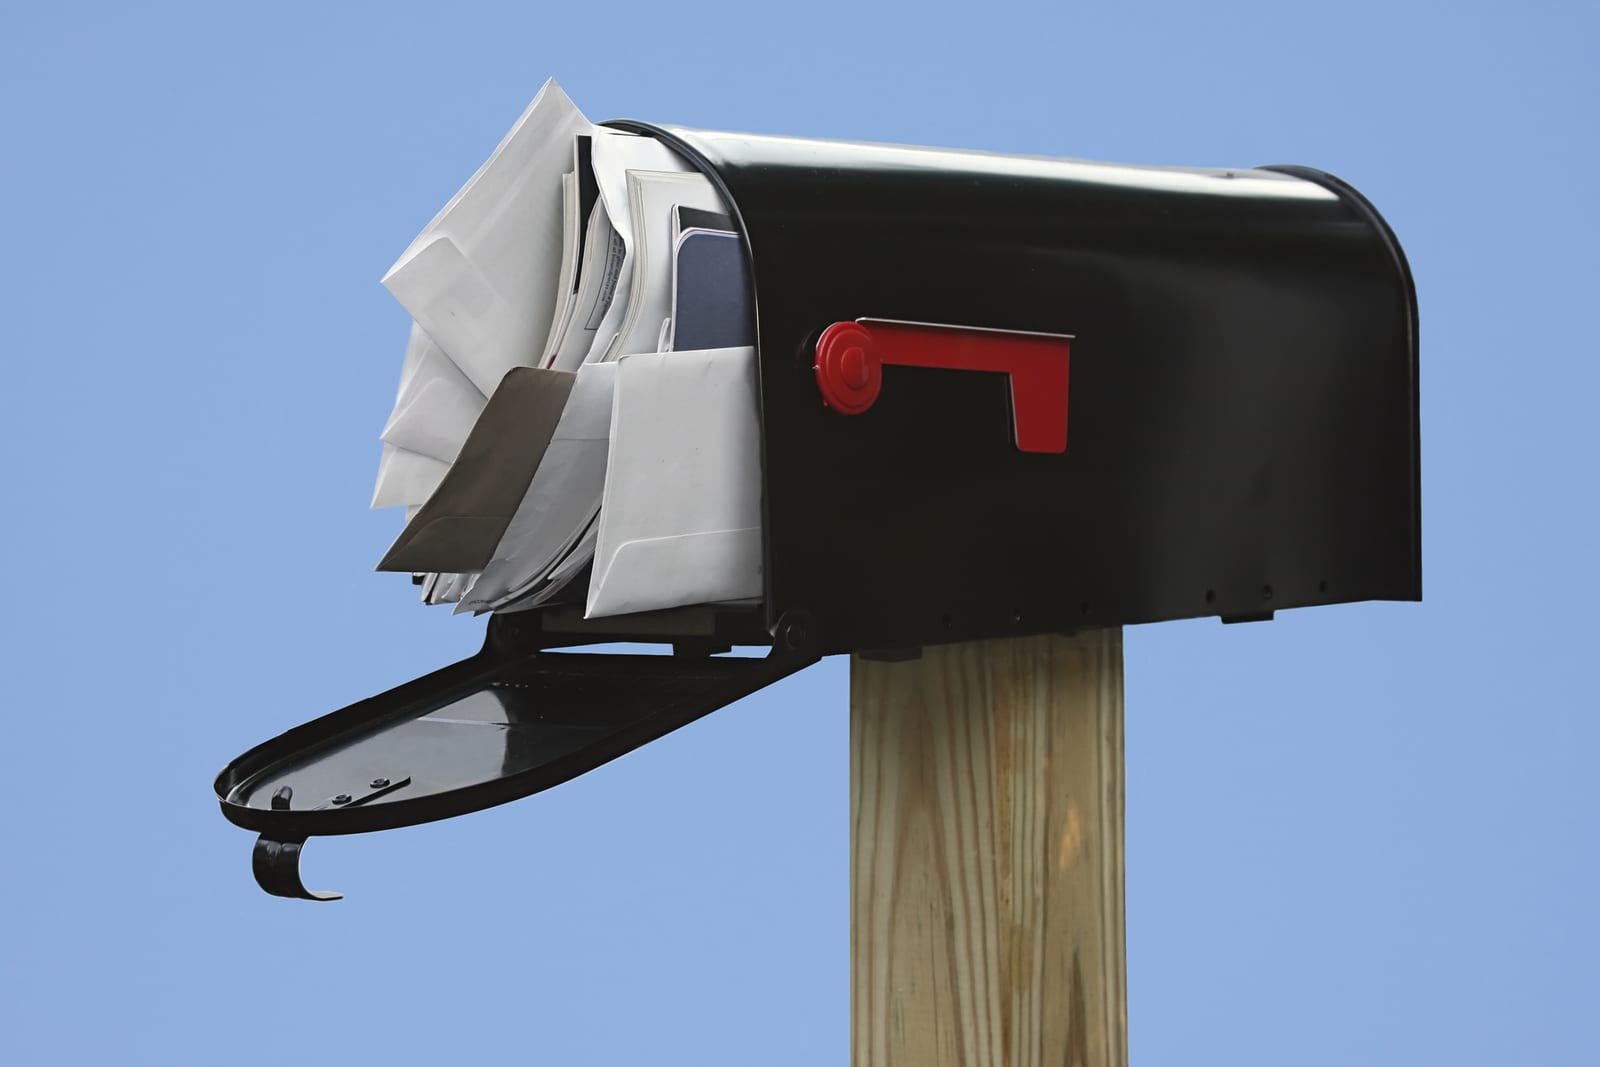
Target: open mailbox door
{"type": "Point", "coordinates": [512, 720]}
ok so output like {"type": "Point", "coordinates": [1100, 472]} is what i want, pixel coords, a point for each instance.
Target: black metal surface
{"type": "Point", "coordinates": [1243, 427]}
{"type": "Point", "coordinates": [276, 865]}
{"type": "Point", "coordinates": [503, 724]}
{"type": "Point", "coordinates": [562, 625]}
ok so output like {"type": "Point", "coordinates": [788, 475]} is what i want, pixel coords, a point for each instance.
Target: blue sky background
{"type": "Point", "coordinates": [1362, 835]}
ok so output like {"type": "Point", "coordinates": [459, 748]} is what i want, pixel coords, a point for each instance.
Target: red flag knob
{"type": "Point", "coordinates": [849, 372]}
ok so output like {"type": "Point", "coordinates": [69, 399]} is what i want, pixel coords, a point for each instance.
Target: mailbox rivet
{"type": "Point", "coordinates": [795, 632]}
{"type": "Point", "coordinates": [379, 783]}
{"type": "Point", "coordinates": [794, 635]}
{"type": "Point", "coordinates": [342, 798]}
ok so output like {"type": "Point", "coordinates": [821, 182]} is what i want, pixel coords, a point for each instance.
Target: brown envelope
{"type": "Point", "coordinates": [457, 530]}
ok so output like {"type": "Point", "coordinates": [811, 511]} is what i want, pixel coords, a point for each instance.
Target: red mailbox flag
{"type": "Point", "coordinates": [850, 358]}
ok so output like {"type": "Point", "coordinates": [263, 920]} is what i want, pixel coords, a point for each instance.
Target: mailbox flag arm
{"type": "Point", "coordinates": [851, 355]}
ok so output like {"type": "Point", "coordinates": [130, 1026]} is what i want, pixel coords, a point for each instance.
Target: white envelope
{"type": "Point", "coordinates": [652, 196]}
{"type": "Point", "coordinates": [561, 501]}
{"type": "Point", "coordinates": [437, 405]}
{"type": "Point", "coordinates": [567, 275]}
{"type": "Point", "coordinates": [447, 588]}
{"type": "Point", "coordinates": [417, 344]}
{"type": "Point", "coordinates": [680, 521]}
{"type": "Point", "coordinates": [613, 155]}
{"type": "Point", "coordinates": [599, 276]}
{"type": "Point", "coordinates": [481, 278]}
{"type": "Point", "coordinates": [560, 576]}
{"type": "Point", "coordinates": [406, 478]}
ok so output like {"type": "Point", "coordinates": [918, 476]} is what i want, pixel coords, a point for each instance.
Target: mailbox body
{"type": "Point", "coordinates": [1242, 433]}
{"type": "Point", "coordinates": [1241, 437]}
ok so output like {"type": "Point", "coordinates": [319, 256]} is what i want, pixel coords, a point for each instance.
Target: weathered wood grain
{"type": "Point", "coordinates": [986, 815]}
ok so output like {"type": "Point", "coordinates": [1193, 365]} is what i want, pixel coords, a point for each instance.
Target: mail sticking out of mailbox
{"type": "Point", "coordinates": [577, 413]}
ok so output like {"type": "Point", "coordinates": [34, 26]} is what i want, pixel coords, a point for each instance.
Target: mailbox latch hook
{"type": "Point", "coordinates": [276, 864]}
{"type": "Point", "coordinates": [276, 860]}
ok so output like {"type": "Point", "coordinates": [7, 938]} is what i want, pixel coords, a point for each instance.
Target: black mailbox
{"type": "Point", "coordinates": [999, 396]}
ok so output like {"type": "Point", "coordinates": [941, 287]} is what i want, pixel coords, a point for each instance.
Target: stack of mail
{"type": "Point", "coordinates": [576, 419]}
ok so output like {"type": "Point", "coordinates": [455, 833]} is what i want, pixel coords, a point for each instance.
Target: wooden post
{"type": "Point", "coordinates": [986, 875]}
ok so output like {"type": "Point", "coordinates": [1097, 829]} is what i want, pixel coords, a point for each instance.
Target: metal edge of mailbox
{"type": "Point", "coordinates": [1396, 587]}
{"type": "Point", "coordinates": [1368, 210]}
